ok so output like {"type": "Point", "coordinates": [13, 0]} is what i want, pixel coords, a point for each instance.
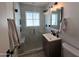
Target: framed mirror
{"type": "Point", "coordinates": [56, 18]}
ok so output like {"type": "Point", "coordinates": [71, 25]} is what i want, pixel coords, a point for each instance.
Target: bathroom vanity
{"type": "Point", "coordinates": [51, 45]}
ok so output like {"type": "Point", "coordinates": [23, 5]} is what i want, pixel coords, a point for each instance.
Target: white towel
{"type": "Point", "coordinates": [13, 35]}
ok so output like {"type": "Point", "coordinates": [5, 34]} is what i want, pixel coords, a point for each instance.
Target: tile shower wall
{"type": "Point", "coordinates": [24, 8]}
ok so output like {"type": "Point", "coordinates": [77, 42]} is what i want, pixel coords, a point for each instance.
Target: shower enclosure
{"type": "Point", "coordinates": [30, 24]}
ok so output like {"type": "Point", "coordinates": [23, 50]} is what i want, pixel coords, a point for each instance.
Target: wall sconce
{"type": "Point", "coordinates": [54, 8]}
{"type": "Point", "coordinates": [55, 3]}
{"type": "Point", "coordinates": [57, 6]}
{"type": "Point", "coordinates": [60, 5]}
{"type": "Point", "coordinates": [45, 10]}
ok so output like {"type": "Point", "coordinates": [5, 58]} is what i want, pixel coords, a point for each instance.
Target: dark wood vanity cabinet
{"type": "Point", "coordinates": [52, 49]}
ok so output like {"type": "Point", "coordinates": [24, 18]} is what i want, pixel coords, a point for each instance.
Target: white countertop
{"type": "Point", "coordinates": [50, 37]}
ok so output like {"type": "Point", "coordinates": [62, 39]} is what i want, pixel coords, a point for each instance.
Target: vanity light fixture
{"type": "Point", "coordinates": [57, 6]}
{"type": "Point", "coordinates": [54, 7]}
{"type": "Point", "coordinates": [55, 3]}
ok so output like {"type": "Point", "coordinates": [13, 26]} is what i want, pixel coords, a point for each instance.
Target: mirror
{"type": "Point", "coordinates": [56, 18]}
{"type": "Point", "coordinates": [53, 17]}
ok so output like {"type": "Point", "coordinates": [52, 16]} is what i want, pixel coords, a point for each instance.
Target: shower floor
{"type": "Point", "coordinates": [30, 44]}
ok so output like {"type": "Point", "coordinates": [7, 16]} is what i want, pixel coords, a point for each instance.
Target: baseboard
{"type": "Point", "coordinates": [31, 51]}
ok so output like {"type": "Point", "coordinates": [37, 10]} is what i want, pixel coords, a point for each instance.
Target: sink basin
{"type": "Point", "coordinates": [50, 37]}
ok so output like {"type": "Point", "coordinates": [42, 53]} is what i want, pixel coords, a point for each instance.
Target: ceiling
{"type": "Point", "coordinates": [36, 3]}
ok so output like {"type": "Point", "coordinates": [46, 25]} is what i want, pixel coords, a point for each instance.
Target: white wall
{"type": "Point", "coordinates": [71, 12]}
{"type": "Point", "coordinates": [6, 11]}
